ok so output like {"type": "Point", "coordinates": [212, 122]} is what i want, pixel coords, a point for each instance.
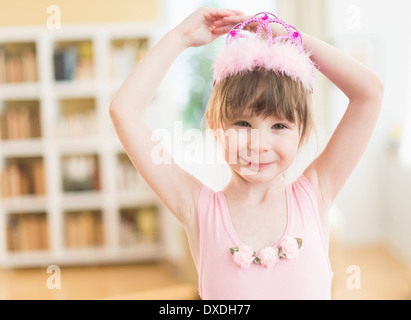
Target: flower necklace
{"type": "Point", "coordinates": [268, 257]}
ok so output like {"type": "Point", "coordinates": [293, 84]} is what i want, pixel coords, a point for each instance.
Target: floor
{"type": "Point", "coordinates": [374, 274]}
{"type": "Point", "coordinates": [137, 281]}
{"type": "Point", "coordinates": [369, 273]}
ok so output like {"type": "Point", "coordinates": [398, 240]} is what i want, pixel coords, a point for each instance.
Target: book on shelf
{"type": "Point", "coordinates": [77, 118]}
{"type": "Point", "coordinates": [23, 177]}
{"type": "Point", "coordinates": [128, 177]}
{"type": "Point", "coordinates": [27, 232]}
{"type": "Point", "coordinates": [138, 225]}
{"type": "Point", "coordinates": [20, 121]}
{"type": "Point", "coordinates": [28, 64]}
{"type": "Point", "coordinates": [74, 61]}
{"type": "Point", "coordinates": [3, 78]}
{"type": "Point", "coordinates": [83, 229]}
{"type": "Point", "coordinates": [18, 64]}
{"type": "Point", "coordinates": [65, 61]}
{"type": "Point", "coordinates": [146, 220]}
{"type": "Point", "coordinates": [84, 67]}
{"type": "Point", "coordinates": [77, 125]}
{"type": "Point", "coordinates": [80, 173]}
{"type": "Point", "coordinates": [125, 54]}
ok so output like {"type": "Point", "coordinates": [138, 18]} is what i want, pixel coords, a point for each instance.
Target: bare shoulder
{"type": "Point", "coordinates": [321, 189]}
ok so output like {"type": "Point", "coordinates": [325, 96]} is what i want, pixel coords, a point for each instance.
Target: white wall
{"type": "Point", "coordinates": [376, 188]}
{"type": "Point", "coordinates": [396, 218]}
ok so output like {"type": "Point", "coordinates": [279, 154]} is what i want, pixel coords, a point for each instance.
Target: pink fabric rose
{"type": "Point", "coordinates": [290, 248]}
{"type": "Point", "coordinates": [269, 257]}
{"type": "Point", "coordinates": [244, 256]}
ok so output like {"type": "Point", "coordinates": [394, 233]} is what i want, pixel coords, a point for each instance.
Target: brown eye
{"type": "Point", "coordinates": [242, 123]}
{"type": "Point", "coordinates": [279, 126]}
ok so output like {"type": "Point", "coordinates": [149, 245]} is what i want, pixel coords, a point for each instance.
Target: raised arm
{"type": "Point", "coordinates": [175, 187]}
{"type": "Point", "coordinates": [364, 90]}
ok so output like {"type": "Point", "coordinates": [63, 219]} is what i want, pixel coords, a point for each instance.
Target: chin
{"type": "Point", "coordinates": [255, 176]}
{"type": "Point", "coordinates": [259, 180]}
{"type": "Point", "coordinates": [256, 180]}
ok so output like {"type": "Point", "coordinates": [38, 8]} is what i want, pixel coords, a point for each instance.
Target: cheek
{"type": "Point", "coordinates": [289, 148]}
{"type": "Point", "coordinates": [235, 141]}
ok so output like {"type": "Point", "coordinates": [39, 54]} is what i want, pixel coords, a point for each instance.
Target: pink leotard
{"type": "Point", "coordinates": [307, 276]}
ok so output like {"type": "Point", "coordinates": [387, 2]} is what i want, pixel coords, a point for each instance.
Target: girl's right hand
{"type": "Point", "coordinates": [205, 25]}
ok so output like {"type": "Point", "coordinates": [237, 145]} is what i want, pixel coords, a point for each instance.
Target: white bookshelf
{"type": "Point", "coordinates": [108, 200]}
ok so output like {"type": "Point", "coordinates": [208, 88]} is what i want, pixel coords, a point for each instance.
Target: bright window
{"type": "Point", "coordinates": [192, 71]}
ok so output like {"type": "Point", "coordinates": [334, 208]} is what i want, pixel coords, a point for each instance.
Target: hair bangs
{"type": "Point", "coordinates": [259, 93]}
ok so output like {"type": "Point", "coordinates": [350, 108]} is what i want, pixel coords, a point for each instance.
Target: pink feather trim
{"type": "Point", "coordinates": [280, 57]}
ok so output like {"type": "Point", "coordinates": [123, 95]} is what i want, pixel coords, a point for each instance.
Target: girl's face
{"type": "Point", "coordinates": [260, 149]}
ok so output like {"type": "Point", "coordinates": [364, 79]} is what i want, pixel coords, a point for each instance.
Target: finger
{"type": "Point", "coordinates": [239, 18]}
{"type": "Point", "coordinates": [232, 20]}
{"type": "Point", "coordinates": [222, 30]}
{"type": "Point", "coordinates": [225, 12]}
{"type": "Point", "coordinates": [221, 22]}
{"type": "Point", "coordinates": [220, 13]}
{"type": "Point", "coordinates": [229, 25]}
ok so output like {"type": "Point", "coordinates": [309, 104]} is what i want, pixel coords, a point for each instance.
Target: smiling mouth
{"type": "Point", "coordinates": [254, 165]}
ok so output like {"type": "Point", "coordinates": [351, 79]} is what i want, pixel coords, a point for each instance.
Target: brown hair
{"type": "Point", "coordinates": [264, 93]}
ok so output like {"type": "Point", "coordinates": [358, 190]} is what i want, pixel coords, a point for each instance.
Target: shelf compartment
{"type": "Point", "coordinates": [73, 60]}
{"type": "Point", "coordinates": [125, 53]}
{"type": "Point", "coordinates": [27, 232]}
{"type": "Point", "coordinates": [83, 229]}
{"type": "Point", "coordinates": [80, 173]}
{"type": "Point", "coordinates": [23, 176]}
{"type": "Point", "coordinates": [139, 225]}
{"type": "Point", "coordinates": [20, 120]}
{"type": "Point", "coordinates": [18, 62]}
{"type": "Point", "coordinates": [77, 119]}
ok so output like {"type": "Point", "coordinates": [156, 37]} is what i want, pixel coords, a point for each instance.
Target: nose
{"type": "Point", "coordinates": [259, 141]}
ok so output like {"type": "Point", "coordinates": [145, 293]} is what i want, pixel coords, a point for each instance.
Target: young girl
{"type": "Point", "coordinates": [261, 237]}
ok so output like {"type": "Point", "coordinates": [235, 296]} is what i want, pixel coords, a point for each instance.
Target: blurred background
{"type": "Point", "coordinates": [76, 219]}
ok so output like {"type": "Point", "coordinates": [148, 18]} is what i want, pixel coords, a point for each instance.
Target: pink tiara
{"type": "Point", "coordinates": [247, 51]}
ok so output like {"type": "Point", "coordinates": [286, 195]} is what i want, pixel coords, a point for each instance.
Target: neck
{"type": "Point", "coordinates": [255, 192]}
